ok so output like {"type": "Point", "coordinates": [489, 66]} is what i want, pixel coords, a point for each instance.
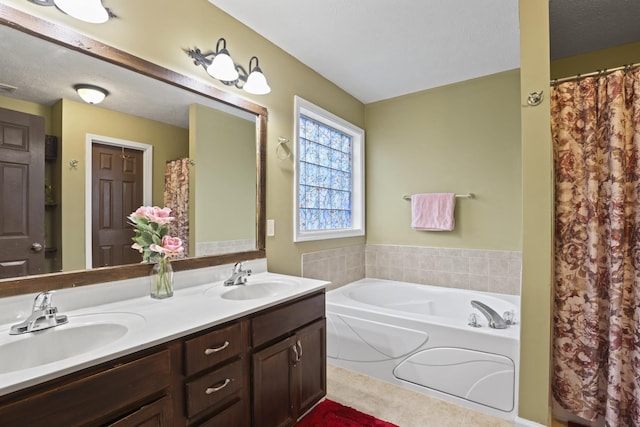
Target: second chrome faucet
{"type": "Point", "coordinates": [238, 276]}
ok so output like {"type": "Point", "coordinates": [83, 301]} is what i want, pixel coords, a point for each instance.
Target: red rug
{"type": "Point", "coordinates": [332, 414]}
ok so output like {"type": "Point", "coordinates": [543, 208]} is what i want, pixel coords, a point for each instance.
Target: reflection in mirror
{"type": "Point", "coordinates": [225, 148]}
{"type": "Point", "coordinates": [177, 117]}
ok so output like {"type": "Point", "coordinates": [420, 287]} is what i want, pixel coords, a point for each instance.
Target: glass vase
{"type": "Point", "coordinates": [161, 279]}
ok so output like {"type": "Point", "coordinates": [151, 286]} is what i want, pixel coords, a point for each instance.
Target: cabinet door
{"type": "Point", "coordinates": [273, 377]}
{"type": "Point", "coordinates": [312, 373]}
{"type": "Point", "coordinates": [153, 415]}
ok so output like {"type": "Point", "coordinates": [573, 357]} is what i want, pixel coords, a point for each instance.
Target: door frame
{"type": "Point", "coordinates": [147, 173]}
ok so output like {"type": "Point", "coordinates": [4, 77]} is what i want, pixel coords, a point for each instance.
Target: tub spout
{"type": "Point", "coordinates": [495, 320]}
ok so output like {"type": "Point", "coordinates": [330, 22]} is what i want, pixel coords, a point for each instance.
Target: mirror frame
{"type": "Point", "coordinates": [71, 39]}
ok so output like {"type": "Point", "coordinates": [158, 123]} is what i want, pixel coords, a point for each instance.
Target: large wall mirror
{"type": "Point", "coordinates": [151, 117]}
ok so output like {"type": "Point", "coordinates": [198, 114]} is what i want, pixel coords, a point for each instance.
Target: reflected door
{"type": "Point", "coordinates": [21, 194]}
{"type": "Point", "coordinates": [117, 190]}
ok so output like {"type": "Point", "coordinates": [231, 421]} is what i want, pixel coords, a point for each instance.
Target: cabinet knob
{"type": "Point", "coordinates": [209, 351]}
{"type": "Point", "coordinates": [213, 389]}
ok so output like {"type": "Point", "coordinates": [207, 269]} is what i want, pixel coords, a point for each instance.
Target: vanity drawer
{"type": "Point", "coordinates": [212, 348]}
{"type": "Point", "coordinates": [214, 388]}
{"type": "Point", "coordinates": [236, 415]}
{"type": "Point", "coordinates": [93, 397]}
{"type": "Point", "coordinates": [286, 318]}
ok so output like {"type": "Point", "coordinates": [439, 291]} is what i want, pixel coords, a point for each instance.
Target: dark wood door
{"type": "Point", "coordinates": [273, 378]}
{"type": "Point", "coordinates": [117, 187]}
{"type": "Point", "coordinates": [312, 373]}
{"type": "Point", "coordinates": [21, 194]}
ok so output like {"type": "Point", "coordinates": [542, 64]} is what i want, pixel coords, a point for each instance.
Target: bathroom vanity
{"type": "Point", "coordinates": [263, 366]}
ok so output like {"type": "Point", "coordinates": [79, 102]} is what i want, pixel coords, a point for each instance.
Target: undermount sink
{"type": "Point", "coordinates": [261, 289]}
{"type": "Point", "coordinates": [83, 333]}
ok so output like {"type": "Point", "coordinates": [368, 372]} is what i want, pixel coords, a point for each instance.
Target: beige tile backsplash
{"type": "Point", "coordinates": [477, 269]}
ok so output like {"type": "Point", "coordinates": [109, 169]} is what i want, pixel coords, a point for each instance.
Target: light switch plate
{"type": "Point", "coordinates": [271, 227]}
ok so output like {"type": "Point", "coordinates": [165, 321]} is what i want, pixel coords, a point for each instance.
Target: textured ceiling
{"type": "Point", "coordinates": [581, 26]}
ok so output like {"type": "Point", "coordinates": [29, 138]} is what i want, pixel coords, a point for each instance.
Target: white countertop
{"type": "Point", "coordinates": [196, 305]}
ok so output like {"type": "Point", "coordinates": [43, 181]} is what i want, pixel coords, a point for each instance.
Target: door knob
{"type": "Point", "coordinates": [36, 247]}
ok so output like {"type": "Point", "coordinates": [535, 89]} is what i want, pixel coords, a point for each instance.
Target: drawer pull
{"type": "Point", "coordinates": [299, 344]}
{"type": "Point", "coordinates": [296, 355]}
{"type": "Point", "coordinates": [210, 390]}
{"type": "Point", "coordinates": [209, 351]}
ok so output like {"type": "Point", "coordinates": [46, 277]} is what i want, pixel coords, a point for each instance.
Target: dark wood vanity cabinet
{"type": "Point", "coordinates": [127, 392]}
{"type": "Point", "coordinates": [289, 363]}
{"type": "Point", "coordinates": [265, 369]}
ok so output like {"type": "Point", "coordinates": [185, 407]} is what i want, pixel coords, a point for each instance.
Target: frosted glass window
{"type": "Point", "coordinates": [329, 171]}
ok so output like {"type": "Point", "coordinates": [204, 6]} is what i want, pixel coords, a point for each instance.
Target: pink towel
{"type": "Point", "coordinates": [433, 211]}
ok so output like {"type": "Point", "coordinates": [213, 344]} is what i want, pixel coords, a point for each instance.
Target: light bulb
{"type": "Point", "coordinates": [91, 94]}
{"type": "Point", "coordinates": [257, 83]}
{"type": "Point", "coordinates": [91, 11]}
{"type": "Point", "coordinates": [223, 68]}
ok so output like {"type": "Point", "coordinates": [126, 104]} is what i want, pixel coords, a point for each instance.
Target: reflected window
{"type": "Point", "coordinates": [329, 175]}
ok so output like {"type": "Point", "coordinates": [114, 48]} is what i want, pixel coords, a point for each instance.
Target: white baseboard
{"type": "Point", "coordinates": [521, 422]}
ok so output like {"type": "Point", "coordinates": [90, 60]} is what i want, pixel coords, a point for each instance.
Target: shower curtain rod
{"type": "Point", "coordinates": [594, 73]}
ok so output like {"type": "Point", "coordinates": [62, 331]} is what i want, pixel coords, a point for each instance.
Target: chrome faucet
{"type": "Point", "coordinates": [43, 316]}
{"type": "Point", "coordinates": [238, 276]}
{"type": "Point", "coordinates": [495, 320]}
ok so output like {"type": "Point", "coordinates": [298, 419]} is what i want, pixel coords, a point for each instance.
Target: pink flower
{"type": "Point", "coordinates": [137, 247]}
{"type": "Point", "coordinates": [170, 246]}
{"type": "Point", "coordinates": [161, 216]}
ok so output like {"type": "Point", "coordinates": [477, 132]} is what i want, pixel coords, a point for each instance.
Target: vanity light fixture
{"type": "Point", "coordinates": [91, 11]}
{"type": "Point", "coordinates": [220, 66]}
{"type": "Point", "coordinates": [91, 94]}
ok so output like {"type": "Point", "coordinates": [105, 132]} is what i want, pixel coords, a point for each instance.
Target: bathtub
{"type": "Point", "coordinates": [418, 337]}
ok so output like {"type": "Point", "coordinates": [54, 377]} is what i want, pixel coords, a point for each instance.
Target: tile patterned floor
{"type": "Point", "coordinates": [400, 406]}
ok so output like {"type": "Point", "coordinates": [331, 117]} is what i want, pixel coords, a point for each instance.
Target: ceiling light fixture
{"type": "Point", "coordinates": [91, 11]}
{"type": "Point", "coordinates": [220, 66]}
{"type": "Point", "coordinates": [91, 94]}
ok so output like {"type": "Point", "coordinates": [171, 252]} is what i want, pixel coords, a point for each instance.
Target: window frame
{"type": "Point", "coordinates": [314, 112]}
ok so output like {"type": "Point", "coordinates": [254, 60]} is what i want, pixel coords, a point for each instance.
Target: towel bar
{"type": "Point", "coordinates": [458, 196]}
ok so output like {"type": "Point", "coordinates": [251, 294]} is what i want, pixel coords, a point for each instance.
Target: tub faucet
{"type": "Point", "coordinates": [238, 276]}
{"type": "Point", "coordinates": [43, 316]}
{"type": "Point", "coordinates": [495, 320]}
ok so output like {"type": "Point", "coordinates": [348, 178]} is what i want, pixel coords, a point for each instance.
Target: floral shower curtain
{"type": "Point", "coordinates": [176, 197]}
{"type": "Point", "coordinates": [596, 349]}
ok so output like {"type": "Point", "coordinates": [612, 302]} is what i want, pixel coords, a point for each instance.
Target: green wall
{"type": "Point", "coordinates": [537, 215]}
{"type": "Point", "coordinates": [459, 138]}
{"type": "Point", "coordinates": [224, 182]}
{"type": "Point", "coordinates": [597, 60]}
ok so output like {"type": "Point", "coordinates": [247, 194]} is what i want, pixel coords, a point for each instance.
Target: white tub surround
{"type": "Point", "coordinates": [418, 337]}
{"type": "Point", "coordinates": [196, 305]}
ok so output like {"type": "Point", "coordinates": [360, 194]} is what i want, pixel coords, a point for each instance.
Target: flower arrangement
{"type": "Point", "coordinates": [152, 240]}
